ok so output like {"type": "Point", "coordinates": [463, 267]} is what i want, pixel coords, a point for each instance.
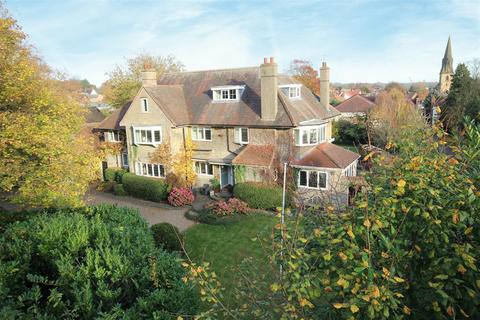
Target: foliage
{"type": "Point", "coordinates": [44, 160]}
{"type": "Point", "coordinates": [125, 81]}
{"type": "Point", "coordinates": [180, 197]}
{"type": "Point", "coordinates": [348, 132]}
{"type": "Point", "coordinates": [238, 206]}
{"type": "Point", "coordinates": [89, 263]}
{"type": "Point", "coordinates": [303, 71]}
{"type": "Point", "coordinates": [146, 188]}
{"type": "Point", "coordinates": [335, 102]}
{"type": "Point", "coordinates": [119, 190]}
{"type": "Point", "coordinates": [409, 249]}
{"type": "Point", "coordinates": [114, 174]}
{"type": "Point", "coordinates": [182, 166]}
{"type": "Point", "coordinates": [215, 184]}
{"type": "Point", "coordinates": [258, 195]}
{"type": "Point", "coordinates": [220, 208]}
{"type": "Point", "coordinates": [421, 89]}
{"type": "Point", "coordinates": [167, 236]}
{"type": "Point", "coordinates": [463, 99]}
{"type": "Point", "coordinates": [239, 173]}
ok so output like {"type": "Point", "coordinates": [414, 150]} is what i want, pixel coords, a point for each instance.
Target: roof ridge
{"type": "Point", "coordinates": [211, 70]}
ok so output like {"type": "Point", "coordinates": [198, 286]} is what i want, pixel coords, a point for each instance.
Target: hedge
{"type": "Point", "coordinates": [90, 263]}
{"type": "Point", "coordinates": [258, 195]}
{"type": "Point", "coordinates": [114, 174]}
{"type": "Point", "coordinates": [119, 190]}
{"type": "Point", "coordinates": [167, 236]}
{"type": "Point", "coordinates": [146, 188]}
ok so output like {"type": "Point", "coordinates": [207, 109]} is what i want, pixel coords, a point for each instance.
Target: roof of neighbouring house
{"type": "Point", "coordinates": [327, 155]}
{"type": "Point", "coordinates": [112, 122]}
{"type": "Point", "coordinates": [94, 115]}
{"type": "Point", "coordinates": [357, 103]}
{"type": "Point", "coordinates": [201, 110]}
{"type": "Point", "coordinates": [256, 155]}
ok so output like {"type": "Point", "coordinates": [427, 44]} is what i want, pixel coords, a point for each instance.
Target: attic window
{"type": "Point", "coordinates": [293, 91]}
{"type": "Point", "coordinates": [227, 93]}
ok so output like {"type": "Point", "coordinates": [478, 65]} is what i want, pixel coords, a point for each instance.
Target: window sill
{"type": "Point", "coordinates": [311, 188]}
{"type": "Point", "coordinates": [147, 144]}
{"type": "Point", "coordinates": [202, 140]}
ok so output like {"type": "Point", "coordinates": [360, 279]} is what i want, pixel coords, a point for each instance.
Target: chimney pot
{"type": "Point", "coordinates": [272, 60]}
{"type": "Point", "coordinates": [265, 60]}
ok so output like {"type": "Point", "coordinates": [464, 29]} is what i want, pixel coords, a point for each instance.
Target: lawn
{"type": "Point", "coordinates": [225, 246]}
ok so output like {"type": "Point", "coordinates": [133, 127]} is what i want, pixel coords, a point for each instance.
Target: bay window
{"type": "Point", "coordinates": [311, 135]}
{"type": "Point", "coordinates": [201, 134]}
{"type": "Point", "coordinates": [312, 179]}
{"type": "Point", "coordinates": [147, 135]}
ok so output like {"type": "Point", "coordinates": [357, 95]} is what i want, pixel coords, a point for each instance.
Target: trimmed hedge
{"type": "Point", "coordinates": [167, 236]}
{"type": "Point", "coordinates": [258, 195]}
{"type": "Point", "coordinates": [119, 190]}
{"type": "Point", "coordinates": [114, 174]}
{"type": "Point", "coordinates": [145, 188]}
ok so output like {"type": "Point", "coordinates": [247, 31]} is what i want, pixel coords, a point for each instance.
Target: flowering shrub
{"type": "Point", "coordinates": [238, 205]}
{"type": "Point", "coordinates": [180, 197]}
{"type": "Point", "coordinates": [232, 206]}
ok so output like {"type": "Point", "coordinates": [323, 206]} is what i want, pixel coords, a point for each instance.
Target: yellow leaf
{"type": "Point", "coordinates": [461, 269]}
{"type": "Point", "coordinates": [464, 313]}
{"type": "Point", "coordinates": [317, 232]}
{"type": "Point", "coordinates": [450, 311]}
{"type": "Point", "coordinates": [398, 279]}
{"type": "Point", "coordinates": [401, 183]}
{"type": "Point", "coordinates": [468, 231]}
{"type": "Point", "coordinates": [407, 310]}
{"type": "Point", "coordinates": [386, 272]}
{"type": "Point", "coordinates": [338, 305]}
{"type": "Point", "coordinates": [304, 302]}
{"type": "Point", "coordinates": [274, 287]}
{"type": "Point", "coordinates": [367, 223]}
{"type": "Point", "coordinates": [385, 255]}
{"type": "Point", "coordinates": [437, 109]}
{"type": "Point", "coordinates": [375, 292]}
{"type": "Point", "coordinates": [455, 217]}
{"type": "Point", "coordinates": [343, 256]}
{"type": "Point", "coordinates": [354, 308]}
{"type": "Point", "coordinates": [368, 156]}
{"type": "Point", "coordinates": [350, 233]}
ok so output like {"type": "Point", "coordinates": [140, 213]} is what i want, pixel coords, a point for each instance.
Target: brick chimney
{"type": "Point", "coordinates": [269, 85]}
{"type": "Point", "coordinates": [325, 85]}
{"type": "Point", "coordinates": [149, 76]}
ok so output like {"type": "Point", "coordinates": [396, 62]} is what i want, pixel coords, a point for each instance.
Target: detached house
{"type": "Point", "coordinates": [244, 123]}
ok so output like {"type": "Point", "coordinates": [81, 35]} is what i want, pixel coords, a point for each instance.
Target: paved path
{"type": "Point", "coordinates": [151, 211]}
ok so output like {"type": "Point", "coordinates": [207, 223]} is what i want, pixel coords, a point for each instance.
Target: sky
{"type": "Point", "coordinates": [361, 40]}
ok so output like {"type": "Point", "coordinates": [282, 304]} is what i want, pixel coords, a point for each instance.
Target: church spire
{"type": "Point", "coordinates": [447, 61]}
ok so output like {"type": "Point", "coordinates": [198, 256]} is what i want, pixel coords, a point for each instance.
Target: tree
{"type": "Point", "coordinates": [182, 165]}
{"type": "Point", "coordinates": [394, 85]}
{"type": "Point", "coordinates": [303, 71]}
{"type": "Point", "coordinates": [43, 159]}
{"type": "Point", "coordinates": [125, 81]}
{"type": "Point", "coordinates": [409, 248]}
{"type": "Point", "coordinates": [421, 89]}
{"type": "Point", "coordinates": [89, 263]}
{"type": "Point", "coordinates": [463, 99]}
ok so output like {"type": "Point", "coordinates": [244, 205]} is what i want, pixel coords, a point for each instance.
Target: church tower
{"type": "Point", "coordinates": [446, 73]}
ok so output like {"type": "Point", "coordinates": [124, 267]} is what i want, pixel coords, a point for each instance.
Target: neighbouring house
{"type": "Point", "coordinates": [244, 124]}
{"type": "Point", "coordinates": [355, 106]}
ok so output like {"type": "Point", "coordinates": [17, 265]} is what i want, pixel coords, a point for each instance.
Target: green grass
{"type": "Point", "coordinates": [225, 246]}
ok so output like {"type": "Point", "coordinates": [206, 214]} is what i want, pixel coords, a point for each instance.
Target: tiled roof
{"type": "Point", "coordinates": [356, 103]}
{"type": "Point", "coordinates": [172, 102]}
{"type": "Point", "coordinates": [327, 155]}
{"type": "Point", "coordinates": [202, 110]}
{"type": "Point", "coordinates": [255, 155]}
{"type": "Point", "coordinates": [94, 115]}
{"type": "Point", "coordinates": [112, 122]}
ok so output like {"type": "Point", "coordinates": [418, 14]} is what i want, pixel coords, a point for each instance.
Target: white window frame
{"type": "Point", "coordinates": [318, 179]}
{"type": "Point", "coordinates": [206, 164]}
{"type": "Point", "coordinates": [238, 137]}
{"type": "Point", "coordinates": [143, 168]}
{"type": "Point", "coordinates": [152, 130]}
{"type": "Point", "coordinates": [321, 130]}
{"type": "Point", "coordinates": [112, 136]}
{"type": "Point", "coordinates": [351, 169]}
{"type": "Point", "coordinates": [125, 157]}
{"type": "Point", "coordinates": [144, 107]}
{"type": "Point", "coordinates": [195, 132]}
{"type": "Point", "coordinates": [227, 93]}
{"type": "Point", "coordinates": [294, 90]}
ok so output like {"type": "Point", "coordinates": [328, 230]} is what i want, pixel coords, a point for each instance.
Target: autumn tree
{"type": "Point", "coordinates": [420, 89]}
{"type": "Point", "coordinates": [125, 80]}
{"type": "Point", "coordinates": [303, 71]}
{"type": "Point", "coordinates": [43, 159]}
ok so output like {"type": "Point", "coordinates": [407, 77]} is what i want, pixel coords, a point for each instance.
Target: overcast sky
{"type": "Point", "coordinates": [362, 40]}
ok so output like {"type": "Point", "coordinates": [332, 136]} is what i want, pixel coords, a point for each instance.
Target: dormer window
{"type": "Point", "coordinates": [292, 91]}
{"type": "Point", "coordinates": [227, 93]}
{"type": "Point", "coordinates": [144, 104]}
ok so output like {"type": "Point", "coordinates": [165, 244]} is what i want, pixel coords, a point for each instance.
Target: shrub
{"type": "Point", "coordinates": [114, 174]}
{"type": "Point", "coordinates": [238, 206]}
{"type": "Point", "coordinates": [258, 195]}
{"type": "Point", "coordinates": [145, 188]}
{"type": "Point", "coordinates": [180, 197]}
{"type": "Point", "coordinates": [220, 208]}
{"type": "Point", "coordinates": [89, 263]}
{"type": "Point", "coordinates": [106, 186]}
{"type": "Point", "coordinates": [167, 236]}
{"type": "Point", "coordinates": [215, 184]}
{"type": "Point", "coordinates": [119, 190]}
{"type": "Point", "coordinates": [348, 132]}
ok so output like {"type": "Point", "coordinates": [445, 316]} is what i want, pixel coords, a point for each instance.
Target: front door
{"type": "Point", "coordinates": [225, 172]}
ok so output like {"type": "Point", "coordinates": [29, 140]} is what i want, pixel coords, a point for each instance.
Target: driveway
{"type": "Point", "coordinates": [153, 212]}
